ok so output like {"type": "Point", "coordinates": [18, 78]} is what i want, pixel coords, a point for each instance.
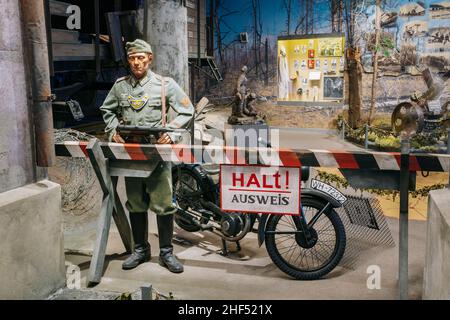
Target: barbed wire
{"type": "Point", "coordinates": [76, 177]}
{"type": "Point", "coordinates": [361, 130]}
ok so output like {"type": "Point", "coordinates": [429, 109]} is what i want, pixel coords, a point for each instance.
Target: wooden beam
{"type": "Point", "coordinates": [59, 8]}
{"type": "Point", "coordinates": [81, 51]}
{"type": "Point", "coordinates": [111, 206]}
{"type": "Point", "coordinates": [65, 36]}
{"type": "Point", "coordinates": [120, 219]}
{"type": "Point", "coordinates": [100, 166]}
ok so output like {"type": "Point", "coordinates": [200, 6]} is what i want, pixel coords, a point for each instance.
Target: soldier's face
{"type": "Point", "coordinates": [139, 63]}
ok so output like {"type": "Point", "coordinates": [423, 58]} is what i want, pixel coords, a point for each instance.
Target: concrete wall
{"type": "Point", "coordinates": [31, 251]}
{"type": "Point", "coordinates": [16, 151]}
{"type": "Point", "coordinates": [167, 34]}
{"type": "Point", "coordinates": [436, 284]}
{"type": "Point", "coordinates": [31, 247]}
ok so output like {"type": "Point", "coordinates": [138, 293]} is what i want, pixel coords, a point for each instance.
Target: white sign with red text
{"type": "Point", "coordinates": [260, 189]}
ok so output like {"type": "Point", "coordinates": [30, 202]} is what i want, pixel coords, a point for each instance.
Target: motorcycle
{"type": "Point", "coordinates": [306, 246]}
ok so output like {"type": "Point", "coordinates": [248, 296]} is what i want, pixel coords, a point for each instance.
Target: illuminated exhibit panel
{"type": "Point", "coordinates": [311, 68]}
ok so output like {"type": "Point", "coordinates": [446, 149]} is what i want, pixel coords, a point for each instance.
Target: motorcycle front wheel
{"type": "Point", "coordinates": [306, 261]}
{"type": "Point", "coordinates": [193, 185]}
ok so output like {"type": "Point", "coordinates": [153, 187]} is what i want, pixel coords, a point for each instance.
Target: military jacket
{"type": "Point", "coordinates": [138, 102]}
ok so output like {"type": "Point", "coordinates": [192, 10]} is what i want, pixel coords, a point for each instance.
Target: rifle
{"type": "Point", "coordinates": [143, 134]}
{"type": "Point", "coordinates": [142, 130]}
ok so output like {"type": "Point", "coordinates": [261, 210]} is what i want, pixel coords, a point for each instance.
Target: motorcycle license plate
{"type": "Point", "coordinates": [331, 191]}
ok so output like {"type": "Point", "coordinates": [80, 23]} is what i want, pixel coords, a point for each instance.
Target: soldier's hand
{"type": "Point", "coordinates": [164, 139]}
{"type": "Point", "coordinates": [117, 138]}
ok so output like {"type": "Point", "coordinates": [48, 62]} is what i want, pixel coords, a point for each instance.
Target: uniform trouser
{"type": "Point", "coordinates": [154, 192]}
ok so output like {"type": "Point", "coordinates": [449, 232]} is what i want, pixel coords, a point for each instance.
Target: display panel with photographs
{"type": "Point", "coordinates": [333, 87]}
{"type": "Point", "coordinates": [298, 57]}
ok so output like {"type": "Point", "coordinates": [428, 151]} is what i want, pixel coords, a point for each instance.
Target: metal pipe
{"type": "Point", "coordinates": [403, 221]}
{"type": "Point", "coordinates": [199, 57]}
{"type": "Point", "coordinates": [366, 137]}
{"type": "Point", "coordinates": [448, 152]}
{"type": "Point", "coordinates": [48, 28]}
{"type": "Point", "coordinates": [193, 98]}
{"type": "Point", "coordinates": [33, 15]}
{"type": "Point", "coordinates": [145, 26]}
{"type": "Point", "coordinates": [146, 291]}
{"type": "Point", "coordinates": [266, 58]}
{"type": "Point", "coordinates": [97, 38]}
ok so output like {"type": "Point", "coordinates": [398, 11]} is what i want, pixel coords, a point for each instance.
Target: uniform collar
{"type": "Point", "coordinates": [142, 81]}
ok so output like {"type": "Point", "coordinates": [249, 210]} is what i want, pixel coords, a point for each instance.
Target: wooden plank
{"type": "Point", "coordinates": [111, 206]}
{"type": "Point", "coordinates": [65, 36]}
{"type": "Point", "coordinates": [193, 50]}
{"type": "Point", "coordinates": [102, 170]}
{"type": "Point", "coordinates": [201, 105]}
{"type": "Point", "coordinates": [82, 51]}
{"type": "Point", "coordinates": [59, 8]}
{"type": "Point", "coordinates": [193, 39]}
{"type": "Point", "coordinates": [191, 4]}
{"type": "Point", "coordinates": [115, 34]}
{"type": "Point", "coordinates": [100, 166]}
{"type": "Point", "coordinates": [98, 257]}
{"type": "Point", "coordinates": [195, 33]}
{"type": "Point", "coordinates": [192, 21]}
{"type": "Point", "coordinates": [120, 219]}
{"type": "Point", "coordinates": [130, 168]}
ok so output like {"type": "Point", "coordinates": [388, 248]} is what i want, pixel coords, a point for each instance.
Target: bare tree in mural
{"type": "Point", "coordinates": [287, 4]}
{"type": "Point", "coordinates": [301, 28]}
{"type": "Point", "coordinates": [336, 11]}
{"type": "Point", "coordinates": [354, 67]}
{"type": "Point", "coordinates": [375, 60]}
{"type": "Point", "coordinates": [305, 20]}
{"type": "Point", "coordinates": [257, 32]}
{"type": "Point", "coordinates": [309, 12]}
{"type": "Point", "coordinates": [220, 12]}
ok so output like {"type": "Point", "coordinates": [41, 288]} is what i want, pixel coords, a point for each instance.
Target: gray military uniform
{"type": "Point", "coordinates": [138, 102]}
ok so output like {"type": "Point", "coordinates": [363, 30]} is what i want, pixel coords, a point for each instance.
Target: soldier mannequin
{"type": "Point", "coordinates": [136, 100]}
{"type": "Point", "coordinates": [241, 93]}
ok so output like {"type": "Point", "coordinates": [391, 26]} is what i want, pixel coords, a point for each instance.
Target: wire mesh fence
{"type": "Point", "coordinates": [366, 227]}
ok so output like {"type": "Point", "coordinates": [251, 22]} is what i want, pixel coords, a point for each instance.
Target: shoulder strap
{"type": "Point", "coordinates": [163, 102]}
{"type": "Point", "coordinates": [163, 99]}
{"type": "Point", "coordinates": [123, 78]}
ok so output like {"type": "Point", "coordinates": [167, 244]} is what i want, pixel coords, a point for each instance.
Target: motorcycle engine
{"type": "Point", "coordinates": [232, 224]}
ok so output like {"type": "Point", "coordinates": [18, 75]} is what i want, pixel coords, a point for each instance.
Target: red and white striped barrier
{"type": "Point", "coordinates": [262, 156]}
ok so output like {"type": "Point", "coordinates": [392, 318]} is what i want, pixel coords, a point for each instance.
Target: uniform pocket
{"type": "Point", "coordinates": [152, 115]}
{"type": "Point", "coordinates": [125, 110]}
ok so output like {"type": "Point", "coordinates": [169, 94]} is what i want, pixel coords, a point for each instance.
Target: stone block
{"type": "Point", "coordinates": [436, 284]}
{"type": "Point", "coordinates": [32, 256]}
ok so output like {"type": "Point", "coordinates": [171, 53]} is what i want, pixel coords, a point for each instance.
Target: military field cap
{"type": "Point", "coordinates": [138, 46]}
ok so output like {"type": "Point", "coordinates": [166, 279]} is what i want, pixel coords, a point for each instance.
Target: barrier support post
{"type": "Point", "coordinates": [366, 137]}
{"type": "Point", "coordinates": [111, 207]}
{"type": "Point", "coordinates": [448, 152]}
{"type": "Point", "coordinates": [403, 221]}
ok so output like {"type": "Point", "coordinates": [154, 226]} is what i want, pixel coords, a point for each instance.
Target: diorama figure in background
{"type": "Point", "coordinates": [283, 75]}
{"type": "Point", "coordinates": [241, 92]}
{"type": "Point", "coordinates": [243, 103]}
{"type": "Point", "coordinates": [138, 100]}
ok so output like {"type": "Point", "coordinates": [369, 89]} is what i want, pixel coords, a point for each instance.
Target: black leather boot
{"type": "Point", "coordinates": [165, 234]}
{"type": "Point", "coordinates": [139, 228]}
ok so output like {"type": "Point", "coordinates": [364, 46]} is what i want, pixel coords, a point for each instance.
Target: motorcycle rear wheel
{"type": "Point", "coordinates": [305, 263]}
